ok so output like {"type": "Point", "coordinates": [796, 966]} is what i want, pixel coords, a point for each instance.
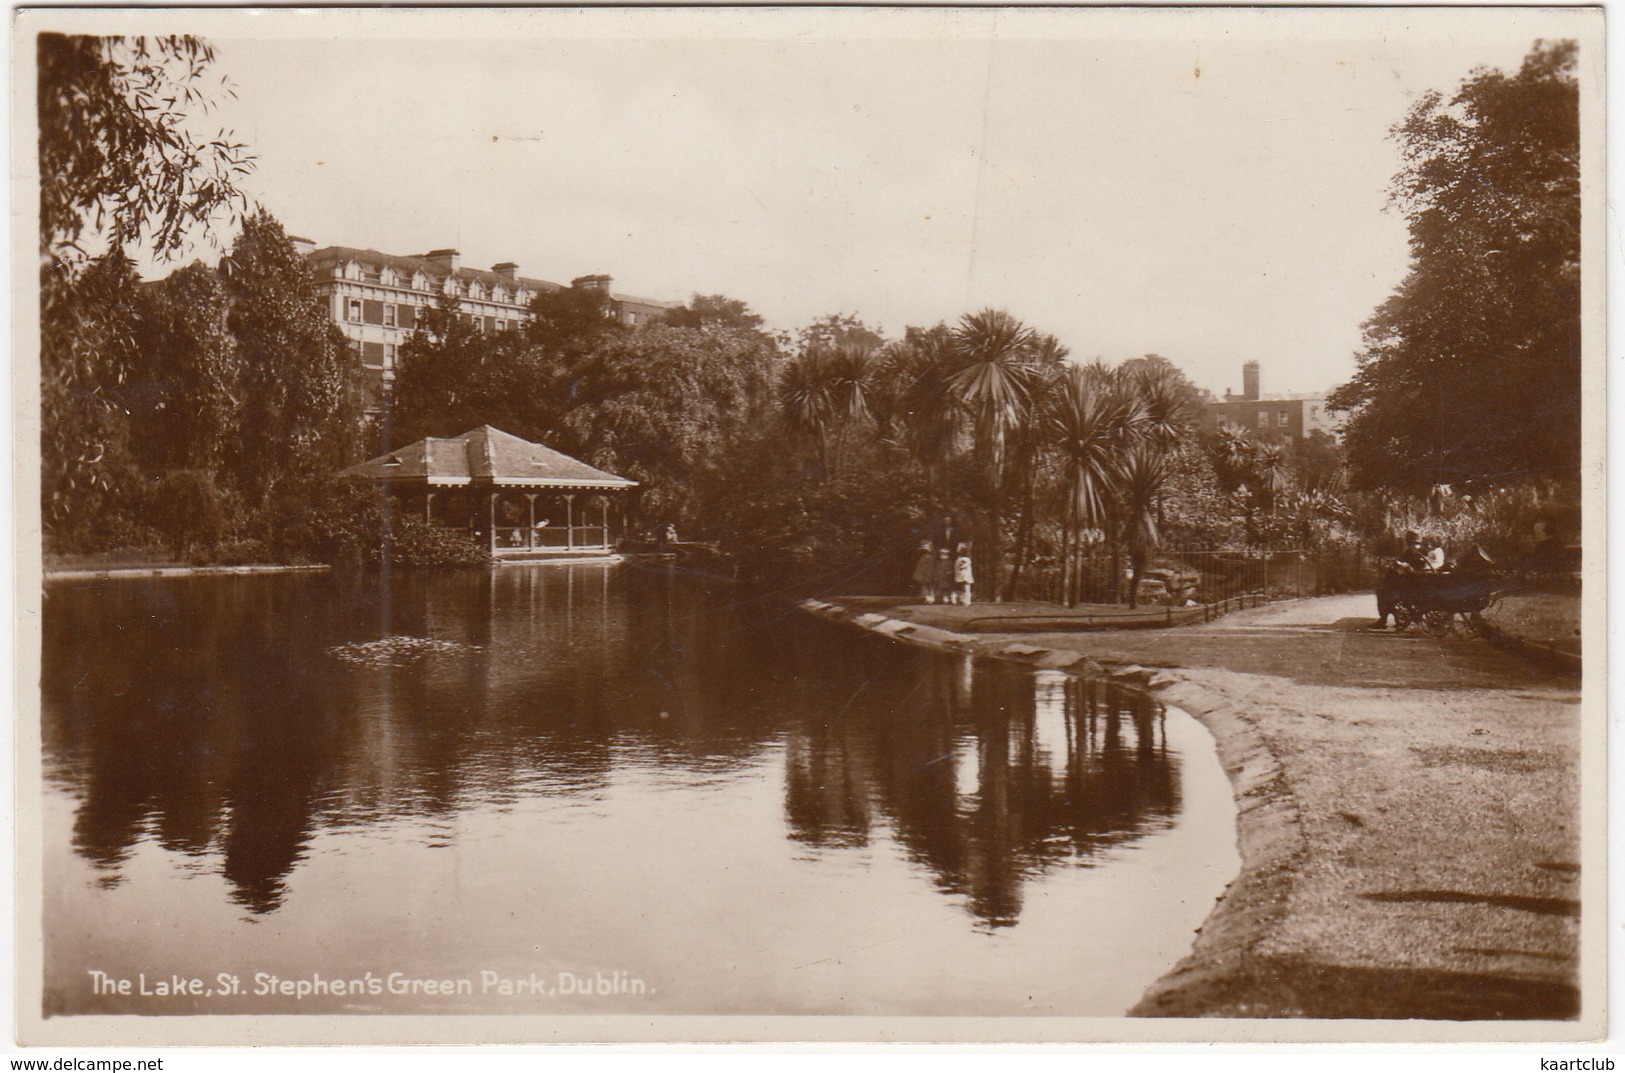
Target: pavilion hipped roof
{"type": "Point", "coordinates": [485, 455]}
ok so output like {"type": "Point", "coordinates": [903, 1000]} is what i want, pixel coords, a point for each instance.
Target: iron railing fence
{"type": "Point", "coordinates": [1179, 576]}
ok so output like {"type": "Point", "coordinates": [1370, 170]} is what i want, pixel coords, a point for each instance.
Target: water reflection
{"type": "Point", "coordinates": [209, 715]}
{"type": "Point", "coordinates": [987, 779]}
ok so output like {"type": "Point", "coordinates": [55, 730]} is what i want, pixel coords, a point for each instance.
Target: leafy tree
{"type": "Point", "coordinates": [440, 389]}
{"type": "Point", "coordinates": [571, 321]}
{"type": "Point", "coordinates": [184, 390]}
{"type": "Point", "coordinates": [450, 378]}
{"type": "Point", "coordinates": [836, 330]}
{"type": "Point", "coordinates": [715, 312]}
{"type": "Point", "coordinates": [117, 160]}
{"type": "Point", "coordinates": [1472, 368]}
{"type": "Point", "coordinates": [670, 407]}
{"type": "Point", "coordinates": [88, 347]}
{"type": "Point", "coordinates": [301, 391]}
{"type": "Point", "coordinates": [116, 150]}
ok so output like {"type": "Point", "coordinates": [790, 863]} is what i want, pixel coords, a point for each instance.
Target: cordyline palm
{"type": "Point", "coordinates": [1028, 446]}
{"type": "Point", "coordinates": [992, 375]}
{"type": "Point", "coordinates": [808, 400]}
{"type": "Point", "coordinates": [913, 405]}
{"type": "Point", "coordinates": [991, 378]}
{"type": "Point", "coordinates": [1270, 473]}
{"type": "Point", "coordinates": [1232, 456]}
{"type": "Point", "coordinates": [1089, 421]}
{"type": "Point", "coordinates": [826, 391]}
{"type": "Point", "coordinates": [1143, 471]}
{"type": "Point", "coordinates": [1169, 409]}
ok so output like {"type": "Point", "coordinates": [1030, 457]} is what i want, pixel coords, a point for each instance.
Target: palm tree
{"type": "Point", "coordinates": [827, 391]}
{"type": "Point", "coordinates": [992, 375]}
{"type": "Point", "coordinates": [1143, 471]}
{"type": "Point", "coordinates": [850, 370]}
{"type": "Point", "coordinates": [991, 378]}
{"type": "Point", "coordinates": [1270, 472]}
{"type": "Point", "coordinates": [1232, 456]}
{"type": "Point", "coordinates": [807, 397]}
{"type": "Point", "coordinates": [1169, 404]}
{"type": "Point", "coordinates": [1089, 422]}
{"type": "Point", "coordinates": [912, 406]}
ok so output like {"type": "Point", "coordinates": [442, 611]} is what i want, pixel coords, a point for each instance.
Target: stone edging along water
{"type": "Point", "coordinates": [103, 573]}
{"type": "Point", "coordinates": [1268, 832]}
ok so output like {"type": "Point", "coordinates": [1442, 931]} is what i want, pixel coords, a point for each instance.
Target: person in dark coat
{"type": "Point", "coordinates": [944, 579]}
{"type": "Point", "coordinates": [925, 573]}
{"type": "Point", "coordinates": [1413, 559]}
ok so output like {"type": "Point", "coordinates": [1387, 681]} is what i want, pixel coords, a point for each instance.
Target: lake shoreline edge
{"type": "Point", "coordinates": [1267, 832]}
{"type": "Point", "coordinates": [1231, 970]}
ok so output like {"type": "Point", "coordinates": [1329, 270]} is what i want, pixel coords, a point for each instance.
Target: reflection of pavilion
{"type": "Point", "coordinates": [520, 499]}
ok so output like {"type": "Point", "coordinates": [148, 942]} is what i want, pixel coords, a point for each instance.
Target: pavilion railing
{"type": "Point", "coordinates": [522, 538]}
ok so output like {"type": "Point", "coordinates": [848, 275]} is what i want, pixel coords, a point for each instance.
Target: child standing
{"type": "Point", "coordinates": [963, 576]}
{"type": "Point", "coordinates": [925, 573]}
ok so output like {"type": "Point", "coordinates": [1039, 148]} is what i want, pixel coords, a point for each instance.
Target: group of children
{"type": "Point", "coordinates": [944, 576]}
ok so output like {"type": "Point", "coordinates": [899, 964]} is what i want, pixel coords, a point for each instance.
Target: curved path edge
{"type": "Point", "coordinates": [1268, 833]}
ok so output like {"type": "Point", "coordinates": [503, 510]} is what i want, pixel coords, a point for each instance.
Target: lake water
{"type": "Point", "coordinates": [593, 789]}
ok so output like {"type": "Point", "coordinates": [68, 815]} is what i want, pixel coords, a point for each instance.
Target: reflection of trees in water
{"type": "Point", "coordinates": [986, 778]}
{"type": "Point", "coordinates": [176, 710]}
{"type": "Point", "coordinates": [205, 714]}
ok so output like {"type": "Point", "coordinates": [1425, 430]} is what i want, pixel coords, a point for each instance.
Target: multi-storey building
{"type": "Point", "coordinates": [377, 299]}
{"type": "Point", "coordinates": [1275, 417]}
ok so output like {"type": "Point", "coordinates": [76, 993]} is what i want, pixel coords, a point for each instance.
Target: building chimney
{"type": "Point", "coordinates": [593, 283]}
{"type": "Point", "coordinates": [507, 270]}
{"type": "Point", "coordinates": [303, 246]}
{"type": "Point", "coordinates": [1249, 381]}
{"type": "Point", "coordinates": [442, 260]}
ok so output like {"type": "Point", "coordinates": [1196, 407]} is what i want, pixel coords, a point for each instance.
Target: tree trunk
{"type": "Point", "coordinates": [1024, 533]}
{"type": "Point", "coordinates": [1067, 530]}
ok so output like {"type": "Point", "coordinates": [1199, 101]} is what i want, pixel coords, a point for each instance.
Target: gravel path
{"type": "Point", "coordinates": [1409, 813]}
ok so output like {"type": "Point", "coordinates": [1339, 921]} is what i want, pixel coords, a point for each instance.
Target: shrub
{"type": "Point", "coordinates": [347, 525]}
{"type": "Point", "coordinates": [188, 509]}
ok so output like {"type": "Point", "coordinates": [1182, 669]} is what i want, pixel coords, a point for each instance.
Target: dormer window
{"type": "Point", "coordinates": [420, 282]}
{"type": "Point", "coordinates": [394, 460]}
{"type": "Point", "coordinates": [388, 277]}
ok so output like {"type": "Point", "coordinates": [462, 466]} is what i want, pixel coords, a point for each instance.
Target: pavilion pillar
{"type": "Point", "coordinates": [491, 523]}
{"type": "Point", "coordinates": [530, 525]}
{"type": "Point", "coordinates": [428, 507]}
{"type": "Point", "coordinates": [603, 520]}
{"type": "Point", "coordinates": [569, 523]}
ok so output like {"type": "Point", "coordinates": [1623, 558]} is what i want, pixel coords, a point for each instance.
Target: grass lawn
{"type": "Point", "coordinates": [1543, 618]}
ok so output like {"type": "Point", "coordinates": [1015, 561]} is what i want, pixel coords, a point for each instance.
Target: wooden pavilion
{"type": "Point", "coordinates": [520, 499]}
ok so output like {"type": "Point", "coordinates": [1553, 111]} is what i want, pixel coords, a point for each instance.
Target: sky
{"type": "Point", "coordinates": [1210, 187]}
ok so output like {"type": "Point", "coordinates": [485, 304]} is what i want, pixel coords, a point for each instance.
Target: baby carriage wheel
{"type": "Point", "coordinates": [1438, 623]}
{"type": "Point", "coordinates": [1404, 617]}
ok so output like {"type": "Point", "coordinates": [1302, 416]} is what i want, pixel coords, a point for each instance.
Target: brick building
{"type": "Point", "coordinates": [376, 299]}
{"type": "Point", "coordinates": [1288, 418]}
